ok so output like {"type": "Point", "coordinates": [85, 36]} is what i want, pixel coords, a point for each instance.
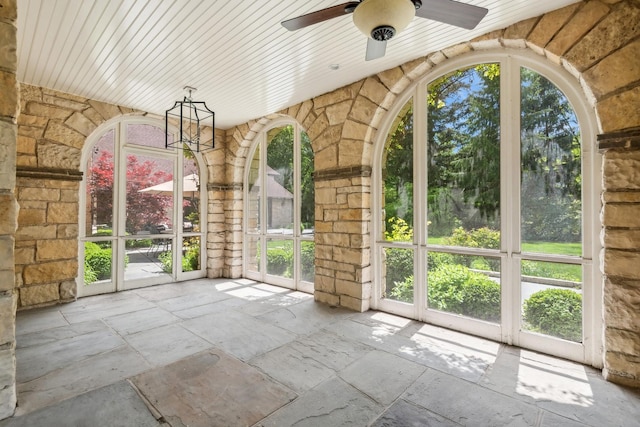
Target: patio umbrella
{"type": "Point", "coordinates": [189, 185]}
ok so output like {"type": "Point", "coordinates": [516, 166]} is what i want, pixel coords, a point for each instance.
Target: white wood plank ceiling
{"type": "Point", "coordinates": [141, 53]}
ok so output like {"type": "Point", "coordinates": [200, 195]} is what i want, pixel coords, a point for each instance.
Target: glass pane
{"type": "Point", "coordinates": [397, 175]}
{"type": "Point", "coordinates": [398, 274]}
{"type": "Point", "coordinates": [307, 261]}
{"type": "Point", "coordinates": [253, 202]}
{"type": "Point", "coordinates": [551, 171]}
{"type": "Point", "coordinates": [253, 253]}
{"type": "Point", "coordinates": [307, 196]}
{"type": "Point", "coordinates": [99, 176]}
{"type": "Point", "coordinates": [147, 257]}
{"type": "Point", "coordinates": [463, 130]}
{"type": "Point", "coordinates": [552, 299]}
{"type": "Point", "coordinates": [98, 262]}
{"type": "Point", "coordinates": [191, 254]}
{"type": "Point", "coordinates": [147, 135]}
{"type": "Point", "coordinates": [149, 198]}
{"type": "Point", "coordinates": [465, 285]}
{"type": "Point", "coordinates": [280, 257]}
{"type": "Point", "coordinates": [190, 194]}
{"type": "Point", "coordinates": [279, 179]}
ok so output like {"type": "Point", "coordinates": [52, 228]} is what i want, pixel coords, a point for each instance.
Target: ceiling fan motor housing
{"type": "Point", "coordinates": [382, 19]}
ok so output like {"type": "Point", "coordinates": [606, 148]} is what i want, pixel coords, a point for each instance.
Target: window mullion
{"type": "Point", "coordinates": [420, 176]}
{"type": "Point", "coordinates": [510, 197]}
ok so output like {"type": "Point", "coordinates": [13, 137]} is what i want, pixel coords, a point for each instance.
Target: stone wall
{"type": "Point", "coordinates": [52, 129]}
{"type": "Point", "coordinates": [8, 206]}
{"type": "Point", "coordinates": [597, 42]}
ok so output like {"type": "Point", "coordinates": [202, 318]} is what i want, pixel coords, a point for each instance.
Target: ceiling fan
{"type": "Point", "coordinates": [380, 20]}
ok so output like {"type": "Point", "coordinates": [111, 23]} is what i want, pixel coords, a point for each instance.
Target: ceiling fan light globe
{"type": "Point", "coordinates": [372, 14]}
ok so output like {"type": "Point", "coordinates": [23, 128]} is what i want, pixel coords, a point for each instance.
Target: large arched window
{"type": "Point", "coordinates": [141, 212]}
{"type": "Point", "coordinates": [487, 188]}
{"type": "Point", "coordinates": [279, 208]}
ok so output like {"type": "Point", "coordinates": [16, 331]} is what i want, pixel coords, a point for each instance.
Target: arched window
{"type": "Point", "coordinates": [488, 196]}
{"type": "Point", "coordinates": [279, 208]}
{"type": "Point", "coordinates": [141, 212]}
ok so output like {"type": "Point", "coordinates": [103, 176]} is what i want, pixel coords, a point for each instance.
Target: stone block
{"type": "Point", "coordinates": [622, 239]}
{"type": "Point", "coordinates": [68, 290]}
{"type": "Point", "coordinates": [579, 25]}
{"type": "Point", "coordinates": [354, 304]}
{"type": "Point", "coordinates": [81, 124]}
{"type": "Point", "coordinates": [8, 57]}
{"type": "Point", "coordinates": [621, 170]}
{"type": "Point", "coordinates": [8, 305]}
{"type": "Point", "coordinates": [326, 298]}
{"type": "Point", "coordinates": [46, 273]}
{"type": "Point", "coordinates": [24, 256]}
{"type": "Point", "coordinates": [8, 214]}
{"type": "Point", "coordinates": [8, 396]}
{"type": "Point", "coordinates": [62, 213]}
{"type": "Point", "coordinates": [8, 139]}
{"type": "Point", "coordinates": [64, 135]}
{"type": "Point", "coordinates": [34, 232]}
{"type": "Point", "coordinates": [35, 295]}
{"type": "Point", "coordinates": [331, 98]}
{"type": "Point", "coordinates": [622, 304]}
{"type": "Point", "coordinates": [622, 369]}
{"type": "Point", "coordinates": [621, 215]}
{"type": "Point", "coordinates": [9, 107]}
{"type": "Point", "coordinates": [621, 197]}
{"type": "Point", "coordinates": [615, 71]}
{"type": "Point", "coordinates": [66, 231]}
{"type": "Point", "coordinates": [391, 78]}
{"type": "Point", "coordinates": [616, 30]}
{"type": "Point", "coordinates": [374, 90]}
{"type": "Point", "coordinates": [356, 131]}
{"type": "Point", "coordinates": [351, 256]}
{"type": "Point", "coordinates": [614, 111]}
{"type": "Point", "coordinates": [337, 113]}
{"type": "Point", "coordinates": [38, 194]}
{"type": "Point", "coordinates": [26, 145]}
{"type": "Point", "coordinates": [47, 250]}
{"type": "Point", "coordinates": [31, 216]}
{"type": "Point", "coordinates": [621, 341]}
{"type": "Point", "coordinates": [550, 24]}
{"type": "Point", "coordinates": [349, 227]}
{"type": "Point", "coordinates": [622, 264]}
{"type": "Point", "coordinates": [318, 126]}
{"type": "Point", "coordinates": [107, 111]}
{"type": "Point", "coordinates": [47, 111]}
{"type": "Point", "coordinates": [520, 30]}
{"type": "Point", "coordinates": [325, 284]}
{"type": "Point", "coordinates": [363, 110]}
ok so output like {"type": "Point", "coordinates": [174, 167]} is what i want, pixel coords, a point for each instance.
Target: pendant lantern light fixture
{"type": "Point", "coordinates": [191, 117]}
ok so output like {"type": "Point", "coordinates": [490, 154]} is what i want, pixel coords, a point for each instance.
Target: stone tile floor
{"type": "Point", "coordinates": [240, 353]}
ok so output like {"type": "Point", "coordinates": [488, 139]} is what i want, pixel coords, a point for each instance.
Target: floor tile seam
{"type": "Point", "coordinates": [56, 371]}
{"type": "Point", "coordinates": [417, 405]}
{"type": "Point", "coordinates": [173, 322]}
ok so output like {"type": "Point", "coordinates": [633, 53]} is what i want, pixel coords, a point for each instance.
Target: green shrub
{"type": "Point", "coordinates": [98, 259]}
{"type": "Point", "coordinates": [89, 275]}
{"type": "Point", "coordinates": [478, 238]}
{"type": "Point", "coordinates": [191, 259]}
{"type": "Point", "coordinates": [437, 259]}
{"type": "Point", "coordinates": [456, 289]}
{"type": "Point", "coordinates": [399, 264]}
{"type": "Point", "coordinates": [279, 261]}
{"type": "Point", "coordinates": [307, 261]}
{"type": "Point", "coordinates": [402, 291]}
{"type": "Point", "coordinates": [556, 312]}
{"type": "Point", "coordinates": [166, 261]}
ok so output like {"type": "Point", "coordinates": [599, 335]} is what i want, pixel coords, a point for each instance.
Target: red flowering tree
{"type": "Point", "coordinates": [144, 210]}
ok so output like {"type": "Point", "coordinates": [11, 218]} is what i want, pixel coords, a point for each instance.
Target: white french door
{"type": "Point", "coordinates": [487, 189]}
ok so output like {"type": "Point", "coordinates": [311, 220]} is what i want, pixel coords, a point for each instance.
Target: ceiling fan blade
{"type": "Point", "coordinates": [375, 49]}
{"type": "Point", "coordinates": [452, 12]}
{"type": "Point", "coordinates": [320, 16]}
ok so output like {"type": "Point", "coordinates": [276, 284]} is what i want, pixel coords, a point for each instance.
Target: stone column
{"type": "Point", "coordinates": [621, 257]}
{"type": "Point", "coordinates": [343, 247]}
{"type": "Point", "coordinates": [9, 108]}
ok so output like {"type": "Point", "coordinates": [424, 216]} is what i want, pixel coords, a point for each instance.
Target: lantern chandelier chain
{"type": "Point", "coordinates": [192, 118]}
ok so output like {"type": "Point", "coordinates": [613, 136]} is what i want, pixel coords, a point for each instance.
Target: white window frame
{"type": "Point", "coordinates": [121, 150]}
{"type": "Point", "coordinates": [508, 331]}
{"type": "Point", "coordinates": [296, 237]}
